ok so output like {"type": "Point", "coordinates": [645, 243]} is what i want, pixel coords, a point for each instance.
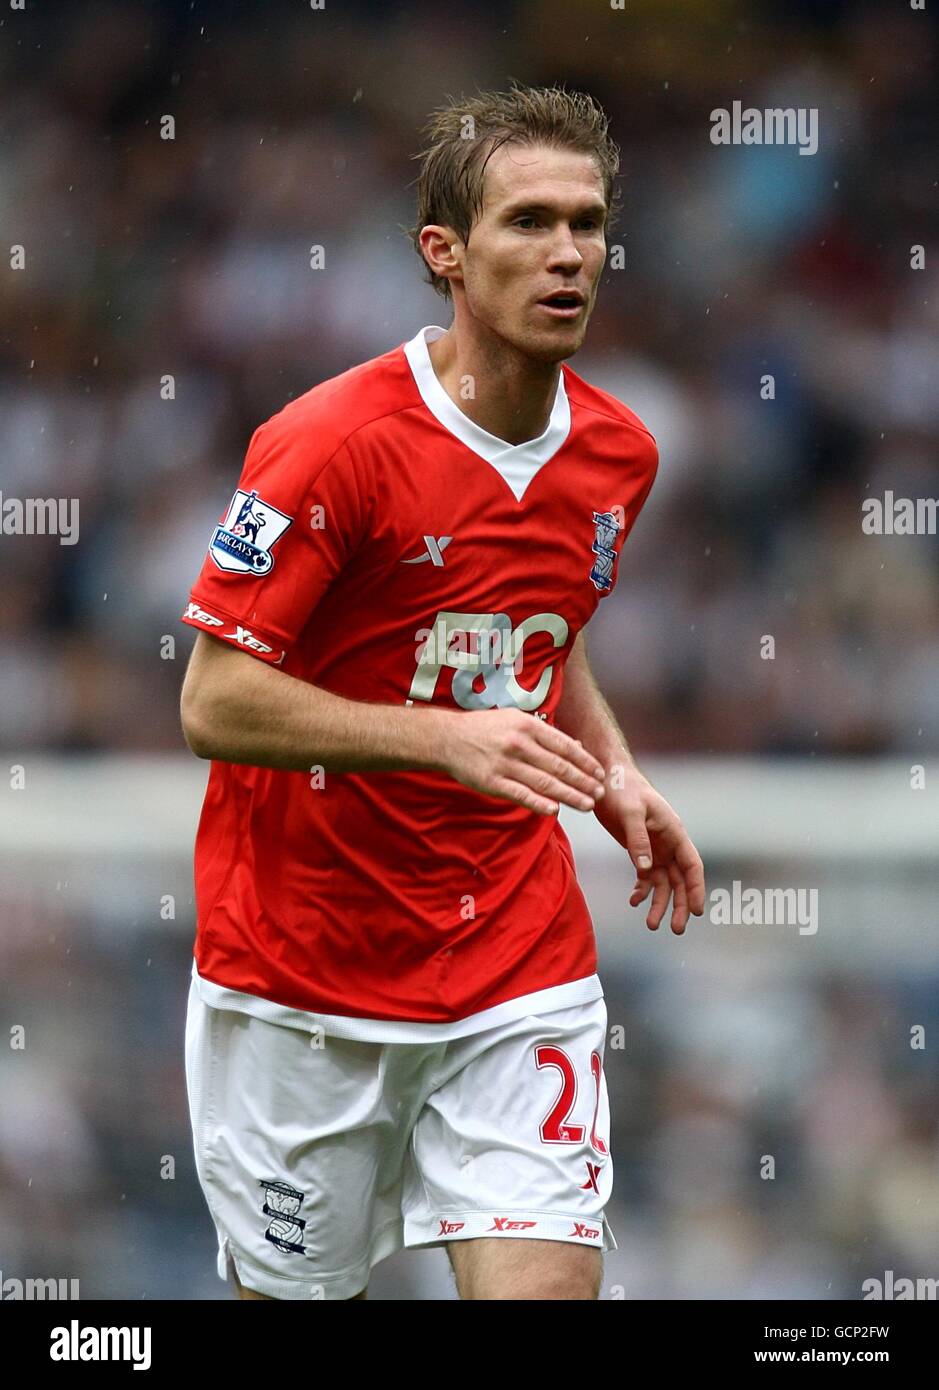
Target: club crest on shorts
{"type": "Point", "coordinates": [281, 1203]}
{"type": "Point", "coordinates": [242, 543]}
{"type": "Point", "coordinates": [604, 541]}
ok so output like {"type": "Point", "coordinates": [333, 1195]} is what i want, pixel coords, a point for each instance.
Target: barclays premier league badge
{"type": "Point", "coordinates": [242, 543]}
{"type": "Point", "coordinates": [603, 547]}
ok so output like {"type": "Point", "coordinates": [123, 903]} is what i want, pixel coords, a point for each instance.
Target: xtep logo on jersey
{"type": "Point", "coordinates": [483, 645]}
{"type": "Point", "coordinates": [434, 551]}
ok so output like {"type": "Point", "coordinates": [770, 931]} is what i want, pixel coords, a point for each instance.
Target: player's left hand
{"type": "Point", "coordinates": [666, 861]}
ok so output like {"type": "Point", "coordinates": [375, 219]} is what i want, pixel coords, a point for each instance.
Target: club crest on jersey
{"type": "Point", "coordinates": [604, 541]}
{"type": "Point", "coordinates": [281, 1204]}
{"type": "Point", "coordinates": [242, 543]}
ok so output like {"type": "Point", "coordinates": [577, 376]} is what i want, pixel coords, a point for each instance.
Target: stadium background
{"type": "Point", "coordinates": [190, 257]}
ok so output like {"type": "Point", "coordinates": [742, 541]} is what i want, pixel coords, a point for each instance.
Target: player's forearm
{"type": "Point", "coordinates": [583, 713]}
{"type": "Point", "coordinates": [253, 714]}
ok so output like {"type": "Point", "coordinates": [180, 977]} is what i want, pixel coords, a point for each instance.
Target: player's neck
{"type": "Point", "coordinates": [512, 395]}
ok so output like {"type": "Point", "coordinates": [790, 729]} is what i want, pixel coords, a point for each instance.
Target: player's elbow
{"type": "Point", "coordinates": [196, 719]}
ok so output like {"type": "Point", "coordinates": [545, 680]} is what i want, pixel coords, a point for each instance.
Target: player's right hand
{"type": "Point", "coordinates": [508, 753]}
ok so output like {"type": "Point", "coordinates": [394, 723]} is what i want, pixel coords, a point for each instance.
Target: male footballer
{"type": "Point", "coordinates": [395, 1030]}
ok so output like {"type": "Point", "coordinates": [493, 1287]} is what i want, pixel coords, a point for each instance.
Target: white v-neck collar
{"type": "Point", "coordinates": [516, 463]}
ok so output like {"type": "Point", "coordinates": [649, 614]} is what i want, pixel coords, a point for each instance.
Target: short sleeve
{"type": "Point", "coordinates": [621, 522]}
{"type": "Point", "coordinates": [650, 469]}
{"type": "Point", "coordinates": [294, 521]}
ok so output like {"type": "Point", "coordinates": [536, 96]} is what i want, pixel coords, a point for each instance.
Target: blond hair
{"type": "Point", "coordinates": [461, 137]}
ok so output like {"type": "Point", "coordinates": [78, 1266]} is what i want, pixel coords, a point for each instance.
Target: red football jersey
{"type": "Point", "coordinates": [384, 547]}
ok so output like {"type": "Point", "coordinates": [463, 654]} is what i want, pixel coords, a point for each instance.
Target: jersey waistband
{"type": "Point", "coordinates": [582, 991]}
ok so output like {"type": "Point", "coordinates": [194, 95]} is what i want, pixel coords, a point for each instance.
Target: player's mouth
{"type": "Point", "coordinates": [563, 304]}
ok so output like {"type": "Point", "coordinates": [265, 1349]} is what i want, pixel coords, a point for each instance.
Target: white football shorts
{"type": "Point", "coordinates": [319, 1157]}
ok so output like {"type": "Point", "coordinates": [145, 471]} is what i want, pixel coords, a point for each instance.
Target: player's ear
{"type": "Point", "coordinates": [438, 247]}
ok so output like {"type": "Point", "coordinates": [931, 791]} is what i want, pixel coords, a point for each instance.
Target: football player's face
{"type": "Point", "coordinates": [541, 231]}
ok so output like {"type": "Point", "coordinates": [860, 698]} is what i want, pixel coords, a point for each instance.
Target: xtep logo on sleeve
{"type": "Point", "coordinates": [434, 551]}
{"type": "Point", "coordinates": [194, 611]}
{"type": "Point", "coordinates": [246, 638]}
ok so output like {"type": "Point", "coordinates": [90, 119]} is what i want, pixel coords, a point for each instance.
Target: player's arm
{"type": "Point", "coordinates": [238, 709]}
{"type": "Point", "coordinates": [667, 863]}
{"type": "Point", "coordinates": [302, 512]}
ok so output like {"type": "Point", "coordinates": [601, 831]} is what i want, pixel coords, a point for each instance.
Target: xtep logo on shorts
{"type": "Point", "coordinates": [585, 1232]}
{"type": "Point", "coordinates": [504, 1223]}
{"type": "Point", "coordinates": [281, 1203]}
{"type": "Point", "coordinates": [593, 1172]}
{"type": "Point", "coordinates": [242, 543]}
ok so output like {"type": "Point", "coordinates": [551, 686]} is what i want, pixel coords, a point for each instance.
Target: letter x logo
{"type": "Point", "coordinates": [593, 1170]}
{"type": "Point", "coordinates": [435, 550]}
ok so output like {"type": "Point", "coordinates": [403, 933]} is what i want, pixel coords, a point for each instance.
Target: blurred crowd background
{"type": "Point", "coordinates": [735, 1046]}
{"type": "Point", "coordinates": [189, 257]}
